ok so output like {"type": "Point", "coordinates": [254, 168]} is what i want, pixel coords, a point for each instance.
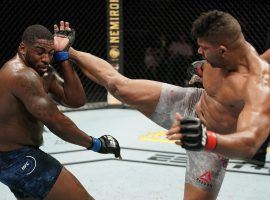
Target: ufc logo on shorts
{"type": "Point", "coordinates": [25, 165]}
{"type": "Point", "coordinates": [30, 165]}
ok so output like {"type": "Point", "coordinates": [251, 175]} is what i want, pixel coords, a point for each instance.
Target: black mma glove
{"type": "Point", "coordinates": [60, 56]}
{"type": "Point", "coordinates": [195, 135]}
{"type": "Point", "coordinates": [195, 73]}
{"type": "Point", "coordinates": [106, 144]}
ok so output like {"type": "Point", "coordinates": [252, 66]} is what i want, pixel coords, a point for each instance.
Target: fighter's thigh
{"type": "Point", "coordinates": [205, 171]}
{"type": "Point", "coordinates": [67, 187]}
{"type": "Point", "coordinates": [194, 193]}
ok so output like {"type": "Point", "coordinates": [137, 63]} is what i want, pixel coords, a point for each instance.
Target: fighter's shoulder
{"type": "Point", "coordinates": [16, 73]}
{"type": "Point", "coordinates": [257, 64]}
{"type": "Point", "coordinates": [16, 67]}
{"type": "Point", "coordinates": [259, 70]}
{"type": "Point", "coordinates": [258, 79]}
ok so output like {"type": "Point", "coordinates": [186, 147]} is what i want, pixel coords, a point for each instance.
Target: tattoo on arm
{"type": "Point", "coordinates": [31, 92]}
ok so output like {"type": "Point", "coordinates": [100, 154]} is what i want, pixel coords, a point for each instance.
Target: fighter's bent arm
{"type": "Point", "coordinates": [69, 90]}
{"type": "Point", "coordinates": [253, 128]}
{"type": "Point", "coordinates": [253, 124]}
{"type": "Point", "coordinates": [28, 88]}
{"type": "Point", "coordinates": [140, 94]}
{"type": "Point", "coordinates": [247, 140]}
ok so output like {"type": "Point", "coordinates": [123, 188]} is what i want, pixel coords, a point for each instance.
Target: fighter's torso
{"type": "Point", "coordinates": [222, 100]}
{"type": "Point", "coordinates": [18, 127]}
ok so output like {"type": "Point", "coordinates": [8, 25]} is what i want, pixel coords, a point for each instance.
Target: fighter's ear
{"type": "Point", "coordinates": [22, 48]}
{"type": "Point", "coordinates": [223, 49]}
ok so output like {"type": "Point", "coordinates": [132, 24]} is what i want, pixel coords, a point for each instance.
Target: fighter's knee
{"type": "Point", "coordinates": [112, 84]}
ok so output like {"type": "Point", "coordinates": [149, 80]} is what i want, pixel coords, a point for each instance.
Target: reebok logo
{"type": "Point", "coordinates": [205, 179]}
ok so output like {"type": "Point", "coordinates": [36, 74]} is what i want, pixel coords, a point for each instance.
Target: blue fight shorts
{"type": "Point", "coordinates": [29, 172]}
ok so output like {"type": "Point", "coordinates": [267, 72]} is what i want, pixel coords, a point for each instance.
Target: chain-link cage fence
{"type": "Point", "coordinates": [157, 43]}
{"type": "Point", "coordinates": [157, 40]}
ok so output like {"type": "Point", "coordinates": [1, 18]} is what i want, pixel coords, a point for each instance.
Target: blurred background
{"type": "Point", "coordinates": [156, 42]}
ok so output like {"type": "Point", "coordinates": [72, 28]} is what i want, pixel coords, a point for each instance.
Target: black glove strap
{"type": "Point", "coordinates": [191, 128]}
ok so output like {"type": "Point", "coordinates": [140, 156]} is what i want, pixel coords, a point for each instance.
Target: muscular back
{"type": "Point", "coordinates": [18, 127]}
{"type": "Point", "coordinates": [226, 93]}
